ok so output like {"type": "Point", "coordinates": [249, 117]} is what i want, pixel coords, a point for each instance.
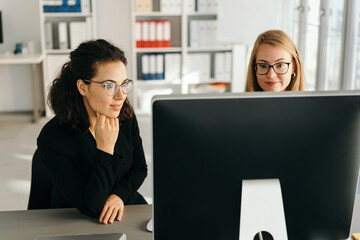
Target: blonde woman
{"type": "Point", "coordinates": [275, 64]}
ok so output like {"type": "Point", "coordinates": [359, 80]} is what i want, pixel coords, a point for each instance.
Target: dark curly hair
{"type": "Point", "coordinates": [64, 97]}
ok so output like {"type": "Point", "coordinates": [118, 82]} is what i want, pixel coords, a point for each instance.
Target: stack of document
{"type": "Point", "coordinates": [143, 6]}
{"type": "Point", "coordinates": [203, 33]}
{"type": "Point", "coordinates": [153, 33]}
{"type": "Point", "coordinates": [57, 37]}
{"type": "Point", "coordinates": [207, 6]}
{"type": "Point", "coordinates": [82, 6]}
{"type": "Point", "coordinates": [223, 63]}
{"type": "Point", "coordinates": [173, 6]}
{"type": "Point", "coordinates": [152, 66]}
{"type": "Point", "coordinates": [161, 66]}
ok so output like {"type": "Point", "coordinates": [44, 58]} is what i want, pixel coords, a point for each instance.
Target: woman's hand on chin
{"type": "Point", "coordinates": [106, 133]}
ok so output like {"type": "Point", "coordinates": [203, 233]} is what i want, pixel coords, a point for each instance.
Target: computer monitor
{"type": "Point", "coordinates": [204, 146]}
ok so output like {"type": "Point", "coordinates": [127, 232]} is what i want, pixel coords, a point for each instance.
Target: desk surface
{"type": "Point", "coordinates": [22, 58]}
{"type": "Point", "coordinates": [34, 60]}
{"type": "Point", "coordinates": [27, 225]}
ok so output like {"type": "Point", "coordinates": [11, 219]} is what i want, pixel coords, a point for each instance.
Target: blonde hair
{"type": "Point", "coordinates": [276, 38]}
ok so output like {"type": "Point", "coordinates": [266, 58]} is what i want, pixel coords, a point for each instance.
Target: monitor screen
{"type": "Point", "coordinates": [204, 146]}
{"type": "Point", "coordinates": [1, 29]}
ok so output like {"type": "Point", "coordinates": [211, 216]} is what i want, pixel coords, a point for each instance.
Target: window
{"type": "Point", "coordinates": [334, 45]}
{"type": "Point", "coordinates": [312, 29]}
{"type": "Point", "coordinates": [319, 37]}
{"type": "Point", "coordinates": [357, 42]}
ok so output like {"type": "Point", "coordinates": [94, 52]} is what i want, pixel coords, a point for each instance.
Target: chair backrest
{"type": "Point", "coordinates": [41, 185]}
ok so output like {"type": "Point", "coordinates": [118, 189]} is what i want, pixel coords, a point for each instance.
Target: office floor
{"type": "Point", "coordinates": [17, 145]}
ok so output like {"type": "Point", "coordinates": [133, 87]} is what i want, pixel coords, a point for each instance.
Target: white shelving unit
{"type": "Point", "coordinates": [165, 50]}
{"type": "Point", "coordinates": [180, 43]}
{"type": "Point", "coordinates": [66, 14]}
{"type": "Point", "coordinates": [55, 57]}
{"type": "Point", "coordinates": [22, 59]}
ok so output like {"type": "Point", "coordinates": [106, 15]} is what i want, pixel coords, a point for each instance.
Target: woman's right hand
{"type": "Point", "coordinates": [106, 133]}
{"type": "Point", "coordinates": [113, 209]}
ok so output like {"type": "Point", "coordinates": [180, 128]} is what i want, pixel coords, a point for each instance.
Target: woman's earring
{"type": "Point", "coordinates": [293, 75]}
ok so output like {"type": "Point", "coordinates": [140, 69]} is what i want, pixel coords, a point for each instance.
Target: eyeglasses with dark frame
{"type": "Point", "coordinates": [111, 88]}
{"type": "Point", "coordinates": [280, 68]}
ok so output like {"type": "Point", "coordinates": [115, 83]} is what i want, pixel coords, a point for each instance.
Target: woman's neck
{"type": "Point", "coordinates": [92, 122]}
{"type": "Point", "coordinates": [92, 117]}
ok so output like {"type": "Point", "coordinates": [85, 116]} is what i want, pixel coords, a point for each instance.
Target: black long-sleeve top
{"type": "Point", "coordinates": [84, 176]}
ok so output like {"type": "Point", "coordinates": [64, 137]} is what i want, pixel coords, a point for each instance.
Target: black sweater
{"type": "Point", "coordinates": [84, 176]}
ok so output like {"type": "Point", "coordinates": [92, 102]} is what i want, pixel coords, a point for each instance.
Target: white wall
{"type": "Point", "coordinates": [114, 24]}
{"type": "Point", "coordinates": [21, 23]}
{"type": "Point", "coordinates": [241, 21]}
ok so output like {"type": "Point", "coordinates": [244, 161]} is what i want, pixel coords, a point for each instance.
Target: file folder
{"type": "Point", "coordinates": [159, 74]}
{"type": "Point", "coordinates": [145, 67]}
{"type": "Point", "coordinates": [48, 35]}
{"type": "Point", "coordinates": [63, 35]}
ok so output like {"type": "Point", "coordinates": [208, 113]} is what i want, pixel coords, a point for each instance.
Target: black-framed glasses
{"type": "Point", "coordinates": [280, 68]}
{"type": "Point", "coordinates": [111, 88]}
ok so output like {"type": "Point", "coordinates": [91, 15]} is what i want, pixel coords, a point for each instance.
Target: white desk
{"type": "Point", "coordinates": [22, 58]}
{"type": "Point", "coordinates": [33, 60]}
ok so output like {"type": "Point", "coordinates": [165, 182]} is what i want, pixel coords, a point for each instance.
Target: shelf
{"type": "Point", "coordinates": [66, 14]}
{"type": "Point", "coordinates": [161, 14]}
{"type": "Point", "coordinates": [156, 82]}
{"type": "Point", "coordinates": [22, 58]}
{"type": "Point", "coordinates": [58, 51]}
{"type": "Point", "coordinates": [201, 14]}
{"type": "Point", "coordinates": [210, 81]}
{"type": "Point", "coordinates": [169, 49]}
{"type": "Point", "coordinates": [210, 49]}
{"type": "Point", "coordinates": [157, 14]}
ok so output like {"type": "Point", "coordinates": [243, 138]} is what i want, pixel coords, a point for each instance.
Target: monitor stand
{"type": "Point", "coordinates": [149, 225]}
{"type": "Point", "coordinates": [262, 210]}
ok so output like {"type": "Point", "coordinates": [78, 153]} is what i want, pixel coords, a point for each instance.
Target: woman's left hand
{"type": "Point", "coordinates": [113, 208]}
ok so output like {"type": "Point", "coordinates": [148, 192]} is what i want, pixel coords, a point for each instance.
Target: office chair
{"type": "Point", "coordinates": [41, 185]}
